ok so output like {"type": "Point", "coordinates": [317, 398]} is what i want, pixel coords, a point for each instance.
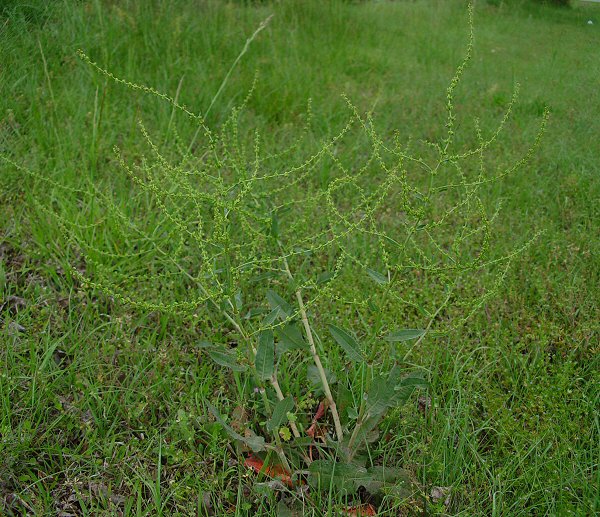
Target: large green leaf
{"type": "Point", "coordinates": [274, 225]}
{"type": "Point", "coordinates": [347, 342]}
{"type": "Point", "coordinates": [280, 412]}
{"type": "Point", "coordinates": [404, 335]}
{"type": "Point", "coordinates": [414, 379]}
{"type": "Point", "coordinates": [368, 432]}
{"type": "Point", "coordinates": [265, 355]}
{"type": "Point", "coordinates": [345, 477]}
{"type": "Point", "coordinates": [271, 317]}
{"type": "Point", "coordinates": [382, 478]}
{"type": "Point", "coordinates": [392, 391]}
{"type": "Point", "coordinates": [256, 443]}
{"type": "Point", "coordinates": [325, 277]}
{"type": "Point", "coordinates": [255, 311]}
{"type": "Point", "coordinates": [380, 396]}
{"type": "Point", "coordinates": [348, 477]}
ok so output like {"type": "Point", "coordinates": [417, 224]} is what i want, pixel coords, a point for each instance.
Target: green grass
{"type": "Point", "coordinates": [102, 407]}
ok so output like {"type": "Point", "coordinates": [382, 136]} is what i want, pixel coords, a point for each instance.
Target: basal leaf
{"type": "Point", "coordinates": [347, 342]}
{"type": "Point", "coordinates": [265, 355]}
{"type": "Point", "coordinates": [385, 477]}
{"type": "Point", "coordinates": [283, 510]}
{"type": "Point", "coordinates": [343, 476]}
{"type": "Point", "coordinates": [255, 442]}
{"type": "Point", "coordinates": [404, 335]}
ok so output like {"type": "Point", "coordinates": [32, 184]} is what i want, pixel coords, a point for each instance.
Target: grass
{"type": "Point", "coordinates": [101, 406]}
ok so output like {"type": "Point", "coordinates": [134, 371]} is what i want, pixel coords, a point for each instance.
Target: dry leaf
{"type": "Point", "coordinates": [273, 471]}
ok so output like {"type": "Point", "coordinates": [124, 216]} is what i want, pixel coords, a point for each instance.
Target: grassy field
{"type": "Point", "coordinates": [101, 406]}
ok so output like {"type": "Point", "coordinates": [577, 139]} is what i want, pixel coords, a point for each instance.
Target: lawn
{"type": "Point", "coordinates": [103, 404]}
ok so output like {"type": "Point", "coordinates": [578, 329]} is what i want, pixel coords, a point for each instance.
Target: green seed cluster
{"type": "Point", "coordinates": [231, 216]}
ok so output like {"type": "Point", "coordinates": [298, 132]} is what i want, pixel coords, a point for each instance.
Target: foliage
{"type": "Point", "coordinates": [137, 373]}
{"type": "Point", "coordinates": [259, 245]}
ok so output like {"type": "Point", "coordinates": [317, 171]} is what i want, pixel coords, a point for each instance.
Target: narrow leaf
{"type": "Point", "coordinates": [226, 359]}
{"type": "Point", "coordinates": [404, 335]}
{"type": "Point", "coordinates": [280, 412]}
{"type": "Point", "coordinates": [267, 275]}
{"type": "Point", "coordinates": [377, 276]}
{"type": "Point", "coordinates": [270, 318]}
{"type": "Point", "coordinates": [265, 355]}
{"type": "Point", "coordinates": [325, 277]}
{"type": "Point", "coordinates": [278, 303]}
{"type": "Point", "coordinates": [256, 443]}
{"type": "Point", "coordinates": [274, 225]}
{"type": "Point", "coordinates": [347, 342]}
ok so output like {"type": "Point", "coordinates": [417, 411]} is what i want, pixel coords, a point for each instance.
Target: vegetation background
{"type": "Point", "coordinates": [101, 408]}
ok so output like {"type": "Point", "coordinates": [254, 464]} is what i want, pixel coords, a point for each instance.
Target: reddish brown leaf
{"type": "Point", "coordinates": [312, 430]}
{"type": "Point", "coordinates": [320, 410]}
{"type": "Point", "coordinates": [273, 471]}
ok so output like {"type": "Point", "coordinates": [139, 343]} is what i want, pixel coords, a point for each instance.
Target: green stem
{"type": "Point", "coordinates": [317, 360]}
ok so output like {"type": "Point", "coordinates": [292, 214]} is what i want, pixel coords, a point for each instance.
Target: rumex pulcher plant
{"type": "Point", "coordinates": [250, 248]}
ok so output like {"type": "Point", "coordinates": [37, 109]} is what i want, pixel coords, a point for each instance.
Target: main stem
{"type": "Point", "coordinates": [319, 365]}
{"type": "Point", "coordinates": [316, 358]}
